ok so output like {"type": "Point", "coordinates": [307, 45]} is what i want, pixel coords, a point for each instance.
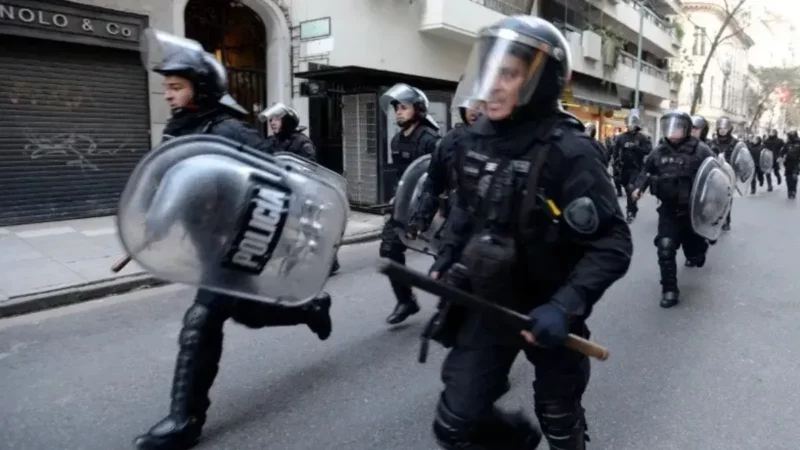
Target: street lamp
{"type": "Point", "coordinates": [639, 55]}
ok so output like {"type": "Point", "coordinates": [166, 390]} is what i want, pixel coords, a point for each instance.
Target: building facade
{"type": "Point", "coordinates": [84, 110]}
{"type": "Point", "coordinates": [724, 91]}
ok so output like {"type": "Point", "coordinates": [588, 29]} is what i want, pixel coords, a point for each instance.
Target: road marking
{"type": "Point", "coordinates": [45, 232]}
{"type": "Point", "coordinates": [99, 231]}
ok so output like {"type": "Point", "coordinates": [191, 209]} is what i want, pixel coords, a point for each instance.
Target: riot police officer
{"type": "Point", "coordinates": [723, 143]}
{"type": "Point", "coordinates": [791, 162]}
{"type": "Point", "coordinates": [775, 144]}
{"type": "Point", "coordinates": [536, 227]}
{"type": "Point", "coordinates": [418, 136]}
{"type": "Point", "coordinates": [441, 179]}
{"type": "Point", "coordinates": [669, 173]}
{"type": "Point", "coordinates": [700, 128]}
{"type": "Point", "coordinates": [755, 145]}
{"type": "Point", "coordinates": [194, 87]}
{"type": "Point", "coordinates": [287, 134]}
{"type": "Point", "coordinates": [630, 149]}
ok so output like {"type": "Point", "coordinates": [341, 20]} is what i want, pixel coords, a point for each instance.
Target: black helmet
{"type": "Point", "coordinates": [773, 133]}
{"type": "Point", "coordinates": [540, 54]}
{"type": "Point", "coordinates": [408, 95]}
{"type": "Point", "coordinates": [633, 122]}
{"type": "Point", "coordinates": [724, 126]}
{"type": "Point", "coordinates": [676, 126]}
{"type": "Point", "coordinates": [290, 120]}
{"type": "Point", "coordinates": [791, 135]}
{"type": "Point", "coordinates": [591, 129]}
{"type": "Point", "coordinates": [757, 140]}
{"type": "Point", "coordinates": [700, 123]}
{"type": "Point", "coordinates": [167, 54]}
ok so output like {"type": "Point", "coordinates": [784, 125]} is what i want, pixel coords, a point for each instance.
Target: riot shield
{"type": "Point", "coordinates": [743, 166]}
{"type": "Point", "coordinates": [766, 160]}
{"type": "Point", "coordinates": [319, 172]}
{"type": "Point", "coordinates": [409, 188]}
{"type": "Point", "coordinates": [727, 168]}
{"type": "Point", "coordinates": [207, 211]}
{"type": "Point", "coordinates": [711, 197]}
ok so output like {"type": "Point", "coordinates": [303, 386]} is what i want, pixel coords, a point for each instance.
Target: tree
{"type": "Point", "coordinates": [729, 16]}
{"type": "Point", "coordinates": [770, 79]}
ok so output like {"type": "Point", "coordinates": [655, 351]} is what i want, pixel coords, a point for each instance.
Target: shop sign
{"type": "Point", "coordinates": [73, 23]}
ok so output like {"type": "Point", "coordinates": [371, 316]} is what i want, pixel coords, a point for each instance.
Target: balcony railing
{"type": "Point", "coordinates": [630, 61]}
{"type": "Point", "coordinates": [653, 18]}
{"type": "Point", "coordinates": [502, 7]}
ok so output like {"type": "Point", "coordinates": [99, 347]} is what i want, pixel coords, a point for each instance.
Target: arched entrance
{"type": "Point", "coordinates": [238, 38]}
{"type": "Point", "coordinates": [252, 39]}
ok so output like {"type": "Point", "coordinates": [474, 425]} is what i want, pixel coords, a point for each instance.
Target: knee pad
{"type": "Point", "coordinates": [667, 248]}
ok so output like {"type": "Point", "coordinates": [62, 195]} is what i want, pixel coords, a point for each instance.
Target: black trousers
{"type": "Point", "coordinates": [675, 231]}
{"type": "Point", "coordinates": [392, 247]}
{"type": "Point", "coordinates": [250, 313]}
{"type": "Point", "coordinates": [628, 179]}
{"type": "Point", "coordinates": [759, 176]}
{"type": "Point", "coordinates": [791, 173]}
{"type": "Point", "coordinates": [475, 375]}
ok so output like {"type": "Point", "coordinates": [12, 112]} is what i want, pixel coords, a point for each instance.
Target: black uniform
{"type": "Point", "coordinates": [630, 149]}
{"type": "Point", "coordinates": [724, 145]}
{"type": "Point", "coordinates": [405, 149]}
{"type": "Point", "coordinates": [293, 141]}
{"type": "Point", "coordinates": [775, 144]}
{"type": "Point", "coordinates": [791, 162]}
{"type": "Point", "coordinates": [200, 339]}
{"type": "Point", "coordinates": [755, 146]}
{"type": "Point", "coordinates": [670, 173]}
{"type": "Point", "coordinates": [441, 177]}
{"type": "Point", "coordinates": [509, 246]}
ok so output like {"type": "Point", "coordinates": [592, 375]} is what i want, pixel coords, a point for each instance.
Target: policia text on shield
{"type": "Point", "coordinates": [400, 274]}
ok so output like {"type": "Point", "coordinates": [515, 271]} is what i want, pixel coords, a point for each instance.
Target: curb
{"type": "Point", "coordinates": [55, 298]}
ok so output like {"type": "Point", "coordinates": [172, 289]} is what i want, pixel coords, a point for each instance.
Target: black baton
{"type": "Point", "coordinates": [403, 275]}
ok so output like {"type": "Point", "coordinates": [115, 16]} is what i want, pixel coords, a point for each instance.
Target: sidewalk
{"type": "Point", "coordinates": [57, 263]}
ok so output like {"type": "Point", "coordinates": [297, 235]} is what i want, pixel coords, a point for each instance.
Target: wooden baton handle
{"type": "Point", "coordinates": [586, 347]}
{"type": "Point", "coordinates": [121, 263]}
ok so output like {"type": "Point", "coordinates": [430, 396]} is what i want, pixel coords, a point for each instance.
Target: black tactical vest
{"type": "Point", "coordinates": [725, 147]}
{"type": "Point", "coordinates": [792, 153]}
{"type": "Point", "coordinates": [675, 175]}
{"type": "Point", "coordinates": [406, 149]}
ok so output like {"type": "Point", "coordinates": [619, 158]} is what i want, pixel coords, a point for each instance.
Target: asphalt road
{"type": "Point", "coordinates": [720, 371]}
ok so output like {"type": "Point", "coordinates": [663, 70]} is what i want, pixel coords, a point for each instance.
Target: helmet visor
{"type": "Point", "coordinates": [633, 121]}
{"type": "Point", "coordinates": [157, 47]}
{"type": "Point", "coordinates": [400, 93]}
{"type": "Point", "coordinates": [724, 126]}
{"type": "Point", "coordinates": [502, 72]}
{"type": "Point", "coordinates": [675, 129]}
{"type": "Point", "coordinates": [277, 110]}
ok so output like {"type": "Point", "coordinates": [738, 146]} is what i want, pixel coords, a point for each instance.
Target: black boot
{"type": "Point", "coordinates": [669, 299]}
{"type": "Point", "coordinates": [696, 261]}
{"type": "Point", "coordinates": [405, 308]}
{"type": "Point", "coordinates": [319, 316]}
{"type": "Point", "coordinates": [200, 348]}
{"type": "Point", "coordinates": [501, 431]}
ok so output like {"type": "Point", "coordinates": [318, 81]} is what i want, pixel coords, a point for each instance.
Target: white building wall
{"type": "Point", "coordinates": [733, 53]}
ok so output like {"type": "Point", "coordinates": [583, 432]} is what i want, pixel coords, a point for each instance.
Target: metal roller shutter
{"type": "Point", "coordinates": [74, 122]}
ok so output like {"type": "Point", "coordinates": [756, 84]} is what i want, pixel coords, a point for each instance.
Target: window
{"type": "Point", "coordinates": [725, 90]}
{"type": "Point", "coordinates": [699, 45]}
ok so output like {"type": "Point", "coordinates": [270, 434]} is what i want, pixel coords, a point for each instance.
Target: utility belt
{"type": "Point", "coordinates": [670, 190]}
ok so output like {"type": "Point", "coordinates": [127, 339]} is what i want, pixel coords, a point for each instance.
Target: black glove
{"type": "Point", "coordinates": [549, 325]}
{"type": "Point", "coordinates": [415, 226]}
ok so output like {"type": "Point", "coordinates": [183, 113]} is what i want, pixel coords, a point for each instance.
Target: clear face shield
{"type": "Point", "coordinates": [724, 127]}
{"type": "Point", "coordinates": [503, 72]}
{"type": "Point", "coordinates": [157, 46]}
{"type": "Point", "coordinates": [633, 122]}
{"type": "Point", "coordinates": [275, 114]}
{"type": "Point", "coordinates": [675, 129]}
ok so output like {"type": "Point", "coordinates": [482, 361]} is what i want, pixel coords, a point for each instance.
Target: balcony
{"type": "Point", "coordinates": [589, 57]}
{"type": "Point", "coordinates": [460, 20]}
{"type": "Point", "coordinates": [659, 36]}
